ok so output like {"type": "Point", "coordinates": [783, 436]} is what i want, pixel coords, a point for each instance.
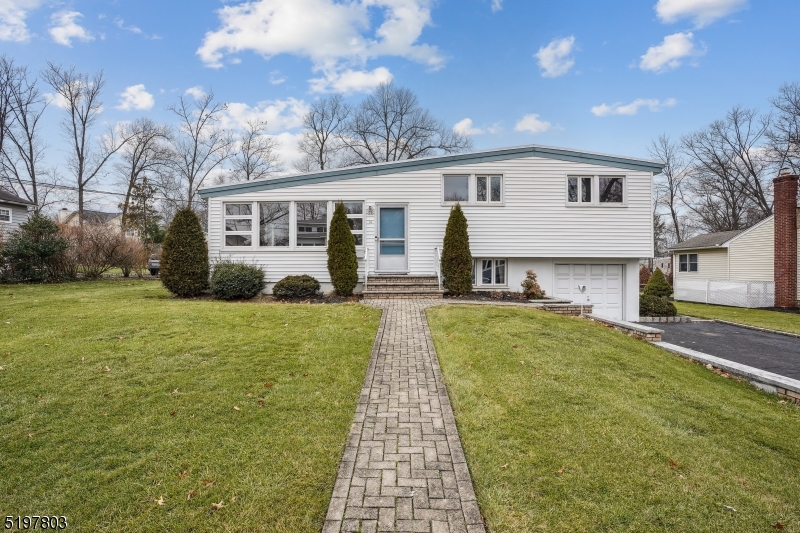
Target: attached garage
{"type": "Point", "coordinates": [603, 287]}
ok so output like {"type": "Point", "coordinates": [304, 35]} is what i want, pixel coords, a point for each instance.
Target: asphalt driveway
{"type": "Point", "coordinates": [772, 352]}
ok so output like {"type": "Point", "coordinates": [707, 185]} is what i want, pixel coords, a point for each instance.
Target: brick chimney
{"type": "Point", "coordinates": [785, 209]}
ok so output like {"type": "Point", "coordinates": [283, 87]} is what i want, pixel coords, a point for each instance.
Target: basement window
{"type": "Point", "coordinates": [489, 272]}
{"type": "Point", "coordinates": [687, 263]}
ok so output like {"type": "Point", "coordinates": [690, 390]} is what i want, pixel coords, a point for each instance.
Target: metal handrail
{"type": "Point", "coordinates": [366, 266]}
{"type": "Point", "coordinates": [437, 256]}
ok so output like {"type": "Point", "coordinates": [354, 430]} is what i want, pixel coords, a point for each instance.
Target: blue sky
{"type": "Point", "coordinates": [600, 76]}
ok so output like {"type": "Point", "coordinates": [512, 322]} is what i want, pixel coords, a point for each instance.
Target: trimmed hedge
{"type": "Point", "coordinates": [296, 287]}
{"type": "Point", "coordinates": [342, 259]}
{"type": "Point", "coordinates": [456, 257]}
{"type": "Point", "coordinates": [658, 285]}
{"type": "Point", "coordinates": [654, 306]}
{"type": "Point", "coordinates": [184, 256]}
{"type": "Point", "coordinates": [236, 281]}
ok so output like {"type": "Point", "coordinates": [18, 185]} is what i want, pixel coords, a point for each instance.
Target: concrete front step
{"type": "Point", "coordinates": [380, 294]}
{"type": "Point", "coordinates": [377, 280]}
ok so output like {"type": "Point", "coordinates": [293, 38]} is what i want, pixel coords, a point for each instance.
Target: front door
{"type": "Point", "coordinates": [392, 239]}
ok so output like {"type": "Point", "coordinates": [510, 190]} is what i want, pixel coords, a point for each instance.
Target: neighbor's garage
{"type": "Point", "coordinates": [603, 287]}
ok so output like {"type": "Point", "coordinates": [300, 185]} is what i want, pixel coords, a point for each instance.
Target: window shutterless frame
{"type": "Point", "coordinates": [5, 215]}
{"type": "Point", "coordinates": [687, 263]}
{"type": "Point", "coordinates": [238, 220]}
{"type": "Point", "coordinates": [596, 190]}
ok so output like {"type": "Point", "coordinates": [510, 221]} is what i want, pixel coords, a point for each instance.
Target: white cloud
{"type": "Point", "coordinates": [121, 25]}
{"type": "Point", "coordinates": [136, 97]}
{"type": "Point", "coordinates": [12, 19]}
{"type": "Point", "coordinates": [670, 53]}
{"type": "Point", "coordinates": [56, 99]}
{"type": "Point", "coordinates": [63, 28]}
{"type": "Point", "coordinates": [195, 92]}
{"type": "Point", "coordinates": [335, 36]}
{"type": "Point", "coordinates": [652, 104]}
{"type": "Point", "coordinates": [280, 115]}
{"type": "Point", "coordinates": [275, 77]}
{"type": "Point", "coordinates": [350, 81]}
{"type": "Point", "coordinates": [555, 59]}
{"type": "Point", "coordinates": [532, 124]}
{"type": "Point", "coordinates": [497, 5]}
{"type": "Point", "coordinates": [465, 127]}
{"type": "Point", "coordinates": [701, 12]}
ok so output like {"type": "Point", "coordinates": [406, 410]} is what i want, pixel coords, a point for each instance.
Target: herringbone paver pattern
{"type": "Point", "coordinates": [403, 468]}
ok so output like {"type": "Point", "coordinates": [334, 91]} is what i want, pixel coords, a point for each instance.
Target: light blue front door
{"type": "Point", "coordinates": [392, 239]}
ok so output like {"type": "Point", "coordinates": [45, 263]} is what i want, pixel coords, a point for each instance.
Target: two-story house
{"type": "Point", "coordinates": [579, 220]}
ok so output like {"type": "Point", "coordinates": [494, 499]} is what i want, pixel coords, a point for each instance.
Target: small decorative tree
{"type": "Point", "coordinates": [658, 285]}
{"type": "Point", "coordinates": [184, 257]}
{"type": "Point", "coordinates": [28, 252]}
{"type": "Point", "coordinates": [456, 257]}
{"type": "Point", "coordinates": [342, 260]}
{"type": "Point", "coordinates": [644, 275]}
{"type": "Point", "coordinates": [531, 288]}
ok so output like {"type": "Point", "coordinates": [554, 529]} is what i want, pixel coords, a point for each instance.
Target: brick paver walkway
{"type": "Point", "coordinates": [403, 468]}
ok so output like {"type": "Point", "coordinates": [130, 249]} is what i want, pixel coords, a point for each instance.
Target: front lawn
{"type": "Point", "coordinates": [789, 322]}
{"type": "Point", "coordinates": [569, 426]}
{"type": "Point", "coordinates": [125, 409]}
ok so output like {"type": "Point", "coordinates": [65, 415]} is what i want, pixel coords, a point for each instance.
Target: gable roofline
{"type": "Point", "coordinates": [724, 244]}
{"type": "Point", "coordinates": [407, 165]}
{"type": "Point", "coordinates": [748, 230]}
{"type": "Point", "coordinates": [7, 197]}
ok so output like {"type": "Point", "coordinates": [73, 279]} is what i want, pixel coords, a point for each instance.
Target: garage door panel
{"type": "Point", "coordinates": [603, 286]}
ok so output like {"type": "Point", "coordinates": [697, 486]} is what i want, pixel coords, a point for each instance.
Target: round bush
{"type": "Point", "coordinates": [296, 287]}
{"type": "Point", "coordinates": [654, 306]}
{"type": "Point", "coordinates": [658, 285]}
{"type": "Point", "coordinates": [235, 281]}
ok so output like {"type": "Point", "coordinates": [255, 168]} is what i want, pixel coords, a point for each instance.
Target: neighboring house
{"type": "Point", "coordinates": [662, 263]}
{"type": "Point", "coordinates": [13, 211]}
{"type": "Point", "coordinates": [744, 268]}
{"type": "Point", "coordinates": [575, 218]}
{"type": "Point", "coordinates": [110, 220]}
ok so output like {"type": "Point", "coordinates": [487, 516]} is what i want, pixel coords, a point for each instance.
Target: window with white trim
{"type": "Point", "coordinates": [596, 190]}
{"type": "Point", "coordinates": [487, 272]}
{"type": "Point", "coordinates": [687, 263]}
{"type": "Point", "coordinates": [455, 188]}
{"type": "Point", "coordinates": [238, 225]}
{"type": "Point", "coordinates": [5, 215]}
{"type": "Point", "coordinates": [312, 223]}
{"type": "Point", "coordinates": [355, 217]}
{"type": "Point", "coordinates": [273, 223]}
{"type": "Point", "coordinates": [489, 189]}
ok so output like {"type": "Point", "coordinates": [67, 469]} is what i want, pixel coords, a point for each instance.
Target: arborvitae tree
{"type": "Point", "coordinates": [658, 285]}
{"type": "Point", "coordinates": [342, 259]}
{"type": "Point", "coordinates": [184, 256]}
{"type": "Point", "coordinates": [456, 257]}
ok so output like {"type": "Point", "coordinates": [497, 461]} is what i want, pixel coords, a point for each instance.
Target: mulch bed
{"type": "Point", "coordinates": [489, 296]}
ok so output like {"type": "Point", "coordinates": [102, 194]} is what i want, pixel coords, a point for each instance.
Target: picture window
{"type": "Point", "coordinates": [456, 188]}
{"type": "Point", "coordinates": [273, 224]}
{"type": "Point", "coordinates": [312, 223]}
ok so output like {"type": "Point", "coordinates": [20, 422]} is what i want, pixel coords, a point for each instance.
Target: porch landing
{"type": "Point", "coordinates": [382, 286]}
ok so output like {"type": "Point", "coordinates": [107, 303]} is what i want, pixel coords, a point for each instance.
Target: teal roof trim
{"type": "Point", "coordinates": [448, 160]}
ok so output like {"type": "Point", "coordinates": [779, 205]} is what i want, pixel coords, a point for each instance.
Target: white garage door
{"type": "Point", "coordinates": [603, 287]}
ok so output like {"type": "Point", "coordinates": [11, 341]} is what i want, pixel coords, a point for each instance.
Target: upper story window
{"type": "Point", "coordinates": [312, 223]}
{"type": "Point", "coordinates": [456, 188]}
{"type": "Point", "coordinates": [355, 217]}
{"type": "Point", "coordinates": [5, 215]}
{"type": "Point", "coordinates": [687, 262]}
{"type": "Point", "coordinates": [238, 224]}
{"type": "Point", "coordinates": [273, 224]}
{"type": "Point", "coordinates": [596, 190]}
{"type": "Point", "coordinates": [489, 188]}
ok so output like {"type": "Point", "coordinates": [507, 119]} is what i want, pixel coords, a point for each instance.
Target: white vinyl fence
{"type": "Point", "coordinates": [733, 293]}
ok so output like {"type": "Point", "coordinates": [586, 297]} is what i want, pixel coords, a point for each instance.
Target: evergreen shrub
{"type": "Point", "coordinates": [456, 257]}
{"type": "Point", "coordinates": [184, 256]}
{"type": "Point", "coordinates": [658, 285]}
{"type": "Point", "coordinates": [342, 259]}
{"type": "Point", "coordinates": [236, 281]}
{"type": "Point", "coordinates": [530, 287]}
{"type": "Point", "coordinates": [296, 287]}
{"type": "Point", "coordinates": [656, 306]}
{"type": "Point", "coordinates": [29, 251]}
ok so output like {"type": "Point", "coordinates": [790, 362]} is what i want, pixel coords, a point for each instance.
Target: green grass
{"type": "Point", "coordinates": [569, 426]}
{"type": "Point", "coordinates": [114, 394]}
{"type": "Point", "coordinates": [789, 322]}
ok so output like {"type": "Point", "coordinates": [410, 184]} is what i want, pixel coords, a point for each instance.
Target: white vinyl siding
{"type": "Point", "coordinates": [18, 215]}
{"type": "Point", "coordinates": [752, 255]}
{"type": "Point", "coordinates": [711, 264]}
{"type": "Point", "coordinates": [532, 222]}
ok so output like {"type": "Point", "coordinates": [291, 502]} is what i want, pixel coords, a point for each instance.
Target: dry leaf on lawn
{"type": "Point", "coordinates": [504, 466]}
{"type": "Point", "coordinates": [183, 474]}
{"type": "Point", "coordinates": [237, 408]}
{"type": "Point", "coordinates": [160, 500]}
{"type": "Point", "coordinates": [673, 465]}
{"type": "Point", "coordinates": [189, 496]}
{"type": "Point", "coordinates": [779, 526]}
{"type": "Point", "coordinates": [217, 506]}
{"type": "Point", "coordinates": [268, 384]}
{"type": "Point", "coordinates": [233, 498]}
{"type": "Point", "coordinates": [107, 369]}
{"type": "Point", "coordinates": [209, 483]}
{"type": "Point", "coordinates": [561, 470]}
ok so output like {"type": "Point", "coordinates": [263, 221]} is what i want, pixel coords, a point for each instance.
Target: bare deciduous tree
{"type": "Point", "coordinates": [147, 151]}
{"type": "Point", "coordinates": [80, 97]}
{"type": "Point", "coordinates": [784, 135]}
{"type": "Point", "coordinates": [7, 75]}
{"type": "Point", "coordinates": [389, 125]}
{"type": "Point", "coordinates": [201, 146]}
{"type": "Point", "coordinates": [728, 172]}
{"type": "Point", "coordinates": [669, 185]}
{"type": "Point", "coordinates": [320, 141]}
{"type": "Point", "coordinates": [256, 154]}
